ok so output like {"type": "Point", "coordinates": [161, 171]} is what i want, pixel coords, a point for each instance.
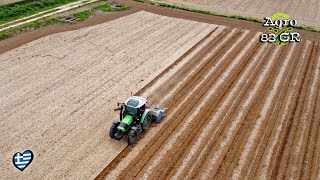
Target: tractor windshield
{"type": "Point", "coordinates": [133, 103]}
{"type": "Point", "coordinates": [130, 110]}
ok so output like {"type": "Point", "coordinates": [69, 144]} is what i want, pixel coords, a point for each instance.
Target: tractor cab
{"type": "Point", "coordinates": [135, 106]}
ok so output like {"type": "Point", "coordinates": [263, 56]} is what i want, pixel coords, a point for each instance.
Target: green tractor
{"type": "Point", "coordinates": [135, 117]}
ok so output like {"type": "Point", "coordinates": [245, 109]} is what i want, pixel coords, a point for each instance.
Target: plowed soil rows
{"type": "Point", "coordinates": [306, 12]}
{"type": "Point", "coordinates": [58, 92]}
{"type": "Point", "coordinates": [237, 108]}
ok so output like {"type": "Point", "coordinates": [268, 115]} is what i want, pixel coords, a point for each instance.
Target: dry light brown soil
{"type": "Point", "coordinates": [304, 11]}
{"type": "Point", "coordinates": [237, 108]}
{"type": "Point", "coordinates": [58, 92]}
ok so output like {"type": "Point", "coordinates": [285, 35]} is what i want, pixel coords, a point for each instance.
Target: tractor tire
{"type": "Point", "coordinates": [147, 122]}
{"type": "Point", "coordinates": [132, 136]}
{"type": "Point", "coordinates": [113, 129]}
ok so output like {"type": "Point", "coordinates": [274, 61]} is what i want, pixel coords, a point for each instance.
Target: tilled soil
{"type": "Point", "coordinates": [305, 12]}
{"type": "Point", "coordinates": [58, 92]}
{"type": "Point", "coordinates": [25, 37]}
{"type": "Point", "coordinates": [237, 108]}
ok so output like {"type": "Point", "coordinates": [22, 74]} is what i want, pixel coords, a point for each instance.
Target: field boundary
{"type": "Point", "coordinates": [213, 13]}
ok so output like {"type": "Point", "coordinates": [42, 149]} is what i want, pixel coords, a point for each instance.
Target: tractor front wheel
{"type": "Point", "coordinates": [132, 136]}
{"type": "Point", "coordinates": [113, 129]}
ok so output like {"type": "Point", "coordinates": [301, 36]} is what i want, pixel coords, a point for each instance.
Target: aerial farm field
{"type": "Point", "coordinates": [58, 93]}
{"type": "Point", "coordinates": [237, 108]}
{"type": "Point", "coordinates": [306, 12]}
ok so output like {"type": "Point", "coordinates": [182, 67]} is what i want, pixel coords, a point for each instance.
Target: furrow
{"type": "Point", "coordinates": [315, 170]}
{"type": "Point", "coordinates": [126, 151]}
{"type": "Point", "coordinates": [193, 97]}
{"type": "Point", "coordinates": [270, 99]}
{"type": "Point", "coordinates": [191, 68]}
{"type": "Point", "coordinates": [287, 141]}
{"type": "Point", "coordinates": [271, 121]}
{"type": "Point", "coordinates": [226, 134]}
{"type": "Point", "coordinates": [280, 120]}
{"type": "Point", "coordinates": [301, 136]}
{"type": "Point", "coordinates": [185, 62]}
{"type": "Point", "coordinates": [196, 150]}
{"type": "Point", "coordinates": [196, 117]}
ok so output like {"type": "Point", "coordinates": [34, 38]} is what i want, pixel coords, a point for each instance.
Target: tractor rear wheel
{"type": "Point", "coordinates": [113, 129]}
{"type": "Point", "coordinates": [132, 136]}
{"type": "Point", "coordinates": [147, 122]}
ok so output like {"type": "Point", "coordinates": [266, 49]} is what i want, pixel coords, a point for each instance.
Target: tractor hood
{"type": "Point", "coordinates": [125, 123]}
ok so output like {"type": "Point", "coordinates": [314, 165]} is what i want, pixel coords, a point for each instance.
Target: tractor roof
{"type": "Point", "coordinates": [136, 101]}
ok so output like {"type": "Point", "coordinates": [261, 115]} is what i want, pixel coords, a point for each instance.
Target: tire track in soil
{"type": "Point", "coordinates": [143, 157]}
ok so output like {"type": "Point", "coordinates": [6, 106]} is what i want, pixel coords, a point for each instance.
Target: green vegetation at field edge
{"type": "Point", "coordinates": [20, 9]}
{"type": "Point", "coordinates": [32, 25]}
{"type": "Point", "coordinates": [83, 15]}
{"type": "Point", "coordinates": [50, 21]}
{"type": "Point", "coordinates": [108, 7]}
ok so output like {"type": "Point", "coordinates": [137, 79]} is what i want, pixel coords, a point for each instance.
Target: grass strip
{"type": "Point", "coordinates": [50, 21]}
{"type": "Point", "coordinates": [308, 28]}
{"type": "Point", "coordinates": [20, 9]}
{"type": "Point", "coordinates": [81, 16]}
{"type": "Point", "coordinates": [108, 7]}
{"type": "Point", "coordinates": [32, 25]}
